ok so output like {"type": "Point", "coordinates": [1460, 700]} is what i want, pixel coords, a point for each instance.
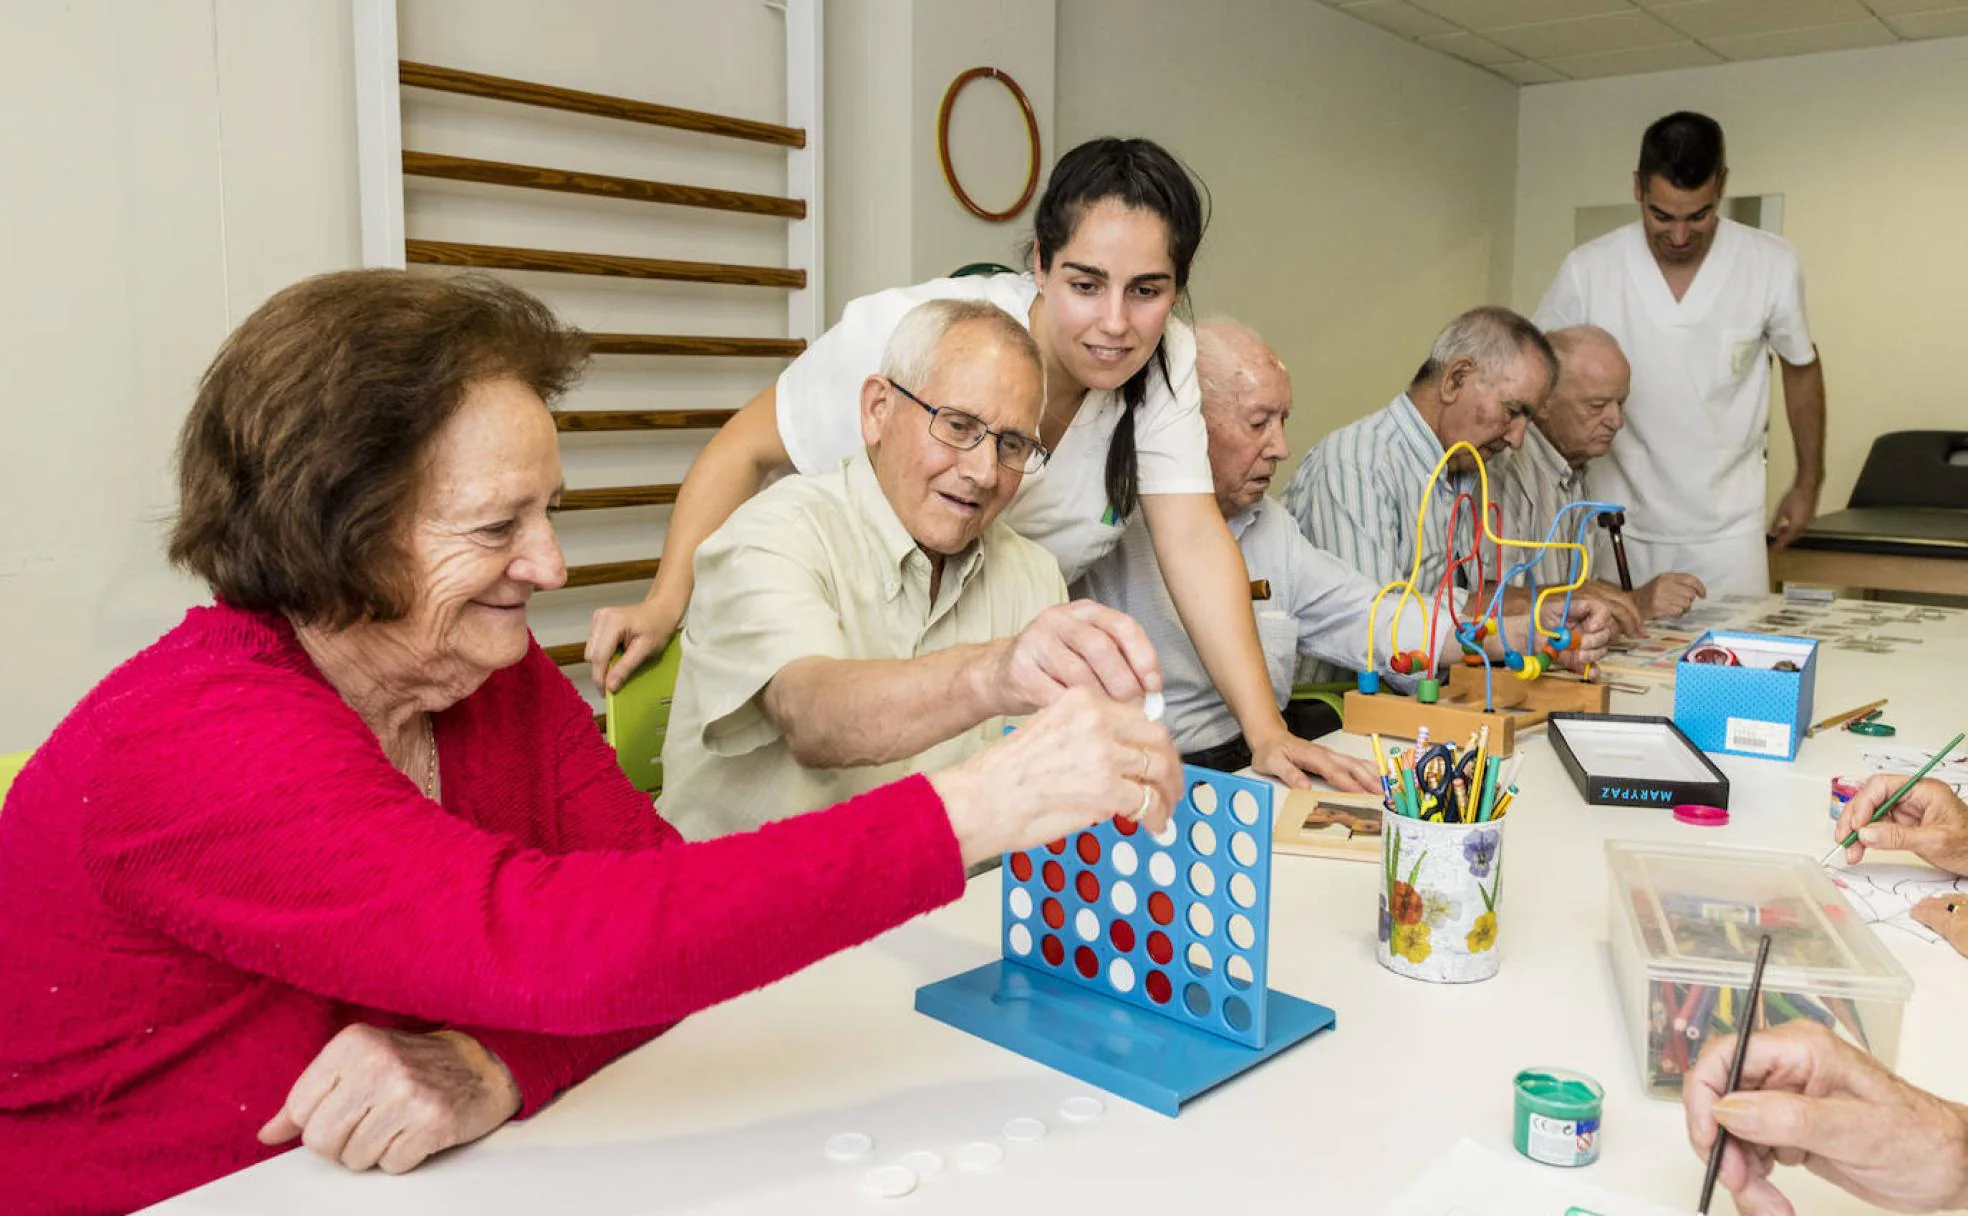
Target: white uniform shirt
{"type": "Point", "coordinates": [1317, 610]}
{"type": "Point", "coordinates": [1063, 507]}
{"type": "Point", "coordinates": [1689, 463]}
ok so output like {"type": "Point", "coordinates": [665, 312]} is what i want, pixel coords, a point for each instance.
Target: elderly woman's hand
{"type": "Point", "coordinates": [1809, 1098]}
{"type": "Point", "coordinates": [388, 1098]}
{"type": "Point", "coordinates": [1930, 822]}
{"type": "Point", "coordinates": [1079, 761]}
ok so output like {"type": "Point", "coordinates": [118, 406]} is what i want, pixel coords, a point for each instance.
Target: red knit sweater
{"type": "Point", "coordinates": [211, 867]}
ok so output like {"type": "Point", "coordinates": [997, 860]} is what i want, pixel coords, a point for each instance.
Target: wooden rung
{"type": "Point", "coordinates": [641, 420]}
{"type": "Point", "coordinates": [618, 496]}
{"type": "Point", "coordinates": [692, 344]}
{"type": "Point", "coordinates": [613, 265]}
{"type": "Point", "coordinates": [602, 185]}
{"type": "Point", "coordinates": [600, 105]}
{"type": "Point", "coordinates": [602, 573]}
{"type": "Point", "coordinates": [568, 653]}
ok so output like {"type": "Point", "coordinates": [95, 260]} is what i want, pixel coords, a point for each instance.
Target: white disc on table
{"type": "Point", "coordinates": [925, 1163]}
{"type": "Point", "coordinates": [1023, 1130]}
{"type": "Point", "coordinates": [849, 1146]}
{"type": "Point", "coordinates": [1153, 704]}
{"type": "Point", "coordinates": [1081, 1109]}
{"type": "Point", "coordinates": [889, 1181]}
{"type": "Point", "coordinates": [979, 1155]}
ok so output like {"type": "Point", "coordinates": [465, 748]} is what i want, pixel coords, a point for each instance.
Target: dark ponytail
{"type": "Point", "coordinates": [1140, 175]}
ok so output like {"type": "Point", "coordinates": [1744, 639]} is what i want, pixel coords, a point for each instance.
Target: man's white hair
{"type": "Point", "coordinates": [910, 355]}
{"type": "Point", "coordinates": [1229, 354]}
{"type": "Point", "coordinates": [1491, 338]}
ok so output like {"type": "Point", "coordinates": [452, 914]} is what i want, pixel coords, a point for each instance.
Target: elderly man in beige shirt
{"type": "Point", "coordinates": [853, 627]}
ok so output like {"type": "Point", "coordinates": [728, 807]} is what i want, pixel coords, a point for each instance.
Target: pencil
{"type": "Point", "coordinates": [1735, 1076]}
{"type": "Point", "coordinates": [1852, 836]}
{"type": "Point", "coordinates": [1841, 719]}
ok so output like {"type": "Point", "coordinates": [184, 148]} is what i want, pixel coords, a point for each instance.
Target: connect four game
{"type": "Point", "coordinates": [1138, 961]}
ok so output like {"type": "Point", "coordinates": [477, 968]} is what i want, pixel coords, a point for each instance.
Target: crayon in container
{"type": "Point", "coordinates": [1557, 1116]}
{"type": "Point", "coordinates": [1842, 790]}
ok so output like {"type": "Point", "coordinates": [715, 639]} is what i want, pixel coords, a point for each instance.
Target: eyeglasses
{"type": "Point", "coordinates": [956, 429]}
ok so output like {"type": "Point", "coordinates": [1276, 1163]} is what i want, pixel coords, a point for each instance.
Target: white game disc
{"type": "Point", "coordinates": [1081, 1109]}
{"type": "Point", "coordinates": [979, 1155]}
{"type": "Point", "coordinates": [1153, 704]}
{"type": "Point", "coordinates": [1024, 1130]}
{"type": "Point", "coordinates": [849, 1146]}
{"type": "Point", "coordinates": [889, 1181]}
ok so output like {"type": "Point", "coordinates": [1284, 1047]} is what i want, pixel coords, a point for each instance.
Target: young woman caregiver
{"type": "Point", "coordinates": [1116, 232]}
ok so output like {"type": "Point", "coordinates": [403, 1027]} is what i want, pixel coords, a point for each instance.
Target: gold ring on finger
{"type": "Point", "coordinates": [1144, 763]}
{"type": "Point", "coordinates": [1147, 796]}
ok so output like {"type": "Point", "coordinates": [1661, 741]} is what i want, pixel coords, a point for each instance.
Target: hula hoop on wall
{"type": "Point", "coordinates": [1031, 136]}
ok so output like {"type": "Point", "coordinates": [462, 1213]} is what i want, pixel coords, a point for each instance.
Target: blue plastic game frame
{"type": "Point", "coordinates": [1080, 919]}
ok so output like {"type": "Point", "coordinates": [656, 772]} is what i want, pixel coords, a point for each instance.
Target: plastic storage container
{"type": "Point", "coordinates": [1684, 923]}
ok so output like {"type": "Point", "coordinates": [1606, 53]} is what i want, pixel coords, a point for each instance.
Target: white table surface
{"type": "Point", "coordinates": [728, 1112]}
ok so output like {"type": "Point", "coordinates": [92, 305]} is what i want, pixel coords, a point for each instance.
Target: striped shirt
{"type": "Point", "coordinates": [1534, 483]}
{"type": "Point", "coordinates": [1356, 494]}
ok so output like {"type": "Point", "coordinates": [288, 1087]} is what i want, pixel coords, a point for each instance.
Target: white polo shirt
{"type": "Point", "coordinates": [1063, 507]}
{"type": "Point", "coordinates": [1689, 463]}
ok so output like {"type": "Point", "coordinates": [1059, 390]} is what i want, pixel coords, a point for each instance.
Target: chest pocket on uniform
{"type": "Point", "coordinates": [1741, 348]}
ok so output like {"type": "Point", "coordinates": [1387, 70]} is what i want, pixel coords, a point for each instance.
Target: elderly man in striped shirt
{"type": "Point", "coordinates": [1358, 491]}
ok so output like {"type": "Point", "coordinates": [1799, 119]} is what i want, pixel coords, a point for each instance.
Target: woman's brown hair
{"type": "Point", "coordinates": [303, 455]}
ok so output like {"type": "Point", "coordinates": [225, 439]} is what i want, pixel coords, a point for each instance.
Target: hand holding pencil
{"type": "Point", "coordinates": [1929, 821]}
{"type": "Point", "coordinates": [1807, 1097]}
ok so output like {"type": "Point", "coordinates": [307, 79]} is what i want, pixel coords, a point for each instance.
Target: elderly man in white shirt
{"type": "Point", "coordinates": [1537, 481]}
{"type": "Point", "coordinates": [854, 626]}
{"type": "Point", "coordinates": [1699, 304]}
{"type": "Point", "coordinates": [1308, 603]}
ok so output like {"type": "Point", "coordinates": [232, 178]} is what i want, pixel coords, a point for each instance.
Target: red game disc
{"type": "Point", "coordinates": [1701, 815]}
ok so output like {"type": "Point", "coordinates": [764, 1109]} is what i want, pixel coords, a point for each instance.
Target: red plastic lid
{"type": "Point", "coordinates": [1701, 815]}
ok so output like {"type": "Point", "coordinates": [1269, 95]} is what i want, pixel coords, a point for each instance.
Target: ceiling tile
{"type": "Point", "coordinates": [1803, 42]}
{"type": "Point", "coordinates": [1525, 71]}
{"type": "Point", "coordinates": [1639, 59]}
{"type": "Point", "coordinates": [1725, 18]}
{"type": "Point", "coordinates": [1895, 8]}
{"type": "Point", "coordinates": [1492, 14]}
{"type": "Point", "coordinates": [1585, 35]}
{"type": "Point", "coordinates": [1473, 47]}
{"type": "Point", "coordinates": [1944, 24]}
{"type": "Point", "coordinates": [1399, 17]}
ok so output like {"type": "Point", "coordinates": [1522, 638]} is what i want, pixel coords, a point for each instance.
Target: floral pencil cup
{"type": "Point", "coordinates": [1440, 898]}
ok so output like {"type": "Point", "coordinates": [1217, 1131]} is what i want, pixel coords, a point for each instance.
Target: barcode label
{"type": "Point", "coordinates": [1758, 738]}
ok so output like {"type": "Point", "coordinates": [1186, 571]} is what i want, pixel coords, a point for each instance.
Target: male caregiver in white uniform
{"type": "Point", "coordinates": [1698, 303]}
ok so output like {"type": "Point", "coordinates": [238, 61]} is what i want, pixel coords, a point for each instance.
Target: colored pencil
{"type": "Point", "coordinates": [1735, 1074]}
{"type": "Point", "coordinates": [1841, 719]}
{"type": "Point", "coordinates": [1852, 836]}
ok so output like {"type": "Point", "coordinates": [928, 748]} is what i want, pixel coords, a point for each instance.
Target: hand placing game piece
{"type": "Point", "coordinates": [1076, 645]}
{"type": "Point", "coordinates": [1079, 761]}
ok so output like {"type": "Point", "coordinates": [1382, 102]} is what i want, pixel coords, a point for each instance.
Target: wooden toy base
{"type": "Point", "coordinates": [1518, 705]}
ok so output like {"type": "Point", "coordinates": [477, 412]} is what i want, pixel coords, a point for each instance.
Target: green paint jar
{"type": "Point", "coordinates": [1557, 1116]}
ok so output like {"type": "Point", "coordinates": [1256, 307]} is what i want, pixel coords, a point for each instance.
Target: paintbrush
{"type": "Point", "coordinates": [1748, 1023]}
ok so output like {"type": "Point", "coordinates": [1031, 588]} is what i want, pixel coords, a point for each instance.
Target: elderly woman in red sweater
{"type": "Point", "coordinates": [343, 856]}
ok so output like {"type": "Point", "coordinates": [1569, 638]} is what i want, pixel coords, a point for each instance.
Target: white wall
{"type": "Point", "coordinates": [888, 64]}
{"type": "Point", "coordinates": [168, 164]}
{"type": "Point", "coordinates": [1362, 185]}
{"type": "Point", "coordinates": [1869, 149]}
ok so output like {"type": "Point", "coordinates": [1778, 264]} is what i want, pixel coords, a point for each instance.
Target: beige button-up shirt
{"type": "Point", "coordinates": [1534, 483]}
{"type": "Point", "coordinates": [822, 565]}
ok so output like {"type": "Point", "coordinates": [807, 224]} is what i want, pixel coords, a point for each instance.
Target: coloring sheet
{"type": "Point", "coordinates": [1883, 894]}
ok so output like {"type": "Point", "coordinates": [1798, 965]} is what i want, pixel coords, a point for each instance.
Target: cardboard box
{"type": "Point", "coordinates": [1747, 709]}
{"type": "Point", "coordinates": [1634, 760]}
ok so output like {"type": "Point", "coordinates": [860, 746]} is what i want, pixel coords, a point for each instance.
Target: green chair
{"type": "Point", "coordinates": [10, 767]}
{"type": "Point", "coordinates": [1317, 709]}
{"type": "Point", "coordinates": [1332, 694]}
{"type": "Point", "coordinates": [639, 718]}
{"type": "Point", "coordinates": [971, 268]}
